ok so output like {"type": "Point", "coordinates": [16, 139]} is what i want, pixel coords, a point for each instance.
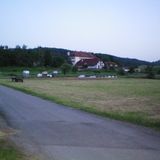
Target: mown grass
{"type": "Point", "coordinates": [132, 100]}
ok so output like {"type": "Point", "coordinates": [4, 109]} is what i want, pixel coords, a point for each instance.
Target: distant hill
{"type": "Point", "coordinates": [156, 63]}
{"type": "Point", "coordinates": [125, 62]}
{"type": "Point", "coordinates": [55, 57]}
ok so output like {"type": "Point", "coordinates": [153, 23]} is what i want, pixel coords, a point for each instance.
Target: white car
{"type": "Point", "coordinates": [39, 75]}
{"type": "Point", "coordinates": [49, 75]}
{"type": "Point", "coordinates": [92, 76]}
{"type": "Point", "coordinates": [81, 76]}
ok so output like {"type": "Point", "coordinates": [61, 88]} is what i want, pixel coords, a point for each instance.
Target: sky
{"type": "Point", "coordinates": [124, 28]}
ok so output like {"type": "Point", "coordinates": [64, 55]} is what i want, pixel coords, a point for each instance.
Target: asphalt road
{"type": "Point", "coordinates": [56, 132]}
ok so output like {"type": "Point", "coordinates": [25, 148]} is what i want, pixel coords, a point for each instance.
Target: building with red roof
{"type": "Point", "coordinates": [79, 55]}
{"type": "Point", "coordinates": [85, 60]}
{"type": "Point", "coordinates": [94, 63]}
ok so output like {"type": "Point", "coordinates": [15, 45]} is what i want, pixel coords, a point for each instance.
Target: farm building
{"type": "Point", "coordinates": [94, 63]}
{"type": "Point", "coordinates": [77, 56]}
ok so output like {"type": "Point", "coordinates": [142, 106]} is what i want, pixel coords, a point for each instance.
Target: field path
{"type": "Point", "coordinates": [56, 132]}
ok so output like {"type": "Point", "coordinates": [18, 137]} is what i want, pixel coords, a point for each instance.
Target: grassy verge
{"type": "Point", "coordinates": [139, 114]}
{"type": "Point", "coordinates": [8, 152]}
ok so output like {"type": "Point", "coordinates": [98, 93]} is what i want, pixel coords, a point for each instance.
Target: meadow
{"type": "Point", "coordinates": [127, 99]}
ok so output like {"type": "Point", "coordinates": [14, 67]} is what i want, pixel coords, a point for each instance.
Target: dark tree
{"type": "Point", "coordinates": [58, 61]}
{"type": "Point", "coordinates": [65, 68]}
{"type": "Point", "coordinates": [18, 47]}
{"type": "Point", "coordinates": [47, 58]}
{"type": "Point", "coordinates": [149, 72]}
{"type": "Point", "coordinates": [6, 47]}
{"type": "Point", "coordinates": [131, 69]}
{"type": "Point", "coordinates": [24, 46]}
{"type": "Point", "coordinates": [121, 72]}
{"type": "Point", "coordinates": [74, 69]}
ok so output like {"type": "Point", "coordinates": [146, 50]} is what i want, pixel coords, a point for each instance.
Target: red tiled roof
{"type": "Point", "coordinates": [82, 54]}
{"type": "Point", "coordinates": [87, 62]}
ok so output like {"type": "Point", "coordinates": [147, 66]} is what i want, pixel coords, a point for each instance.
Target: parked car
{"type": "Point", "coordinates": [39, 75]}
{"type": "Point", "coordinates": [81, 76]}
{"type": "Point", "coordinates": [26, 73]}
{"type": "Point", "coordinates": [92, 76]}
{"type": "Point", "coordinates": [49, 75]}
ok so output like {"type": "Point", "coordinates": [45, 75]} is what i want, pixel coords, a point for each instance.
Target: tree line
{"type": "Point", "coordinates": [40, 56]}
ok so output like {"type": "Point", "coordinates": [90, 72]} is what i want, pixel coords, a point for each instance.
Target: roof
{"type": "Point", "coordinates": [88, 62]}
{"type": "Point", "coordinates": [82, 54]}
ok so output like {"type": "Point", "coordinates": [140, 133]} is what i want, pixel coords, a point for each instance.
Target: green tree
{"type": "Point", "coordinates": [57, 61]}
{"type": "Point", "coordinates": [131, 70]}
{"type": "Point", "coordinates": [121, 72]}
{"type": "Point", "coordinates": [65, 68]}
{"type": "Point", "coordinates": [149, 72]}
{"type": "Point", "coordinates": [74, 69]}
{"type": "Point", "coordinates": [158, 71]}
{"type": "Point", "coordinates": [18, 47]}
{"type": "Point", "coordinates": [47, 58]}
{"type": "Point", "coordinates": [24, 46]}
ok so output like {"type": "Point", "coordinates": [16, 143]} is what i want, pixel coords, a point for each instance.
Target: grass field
{"type": "Point", "coordinates": [133, 100]}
